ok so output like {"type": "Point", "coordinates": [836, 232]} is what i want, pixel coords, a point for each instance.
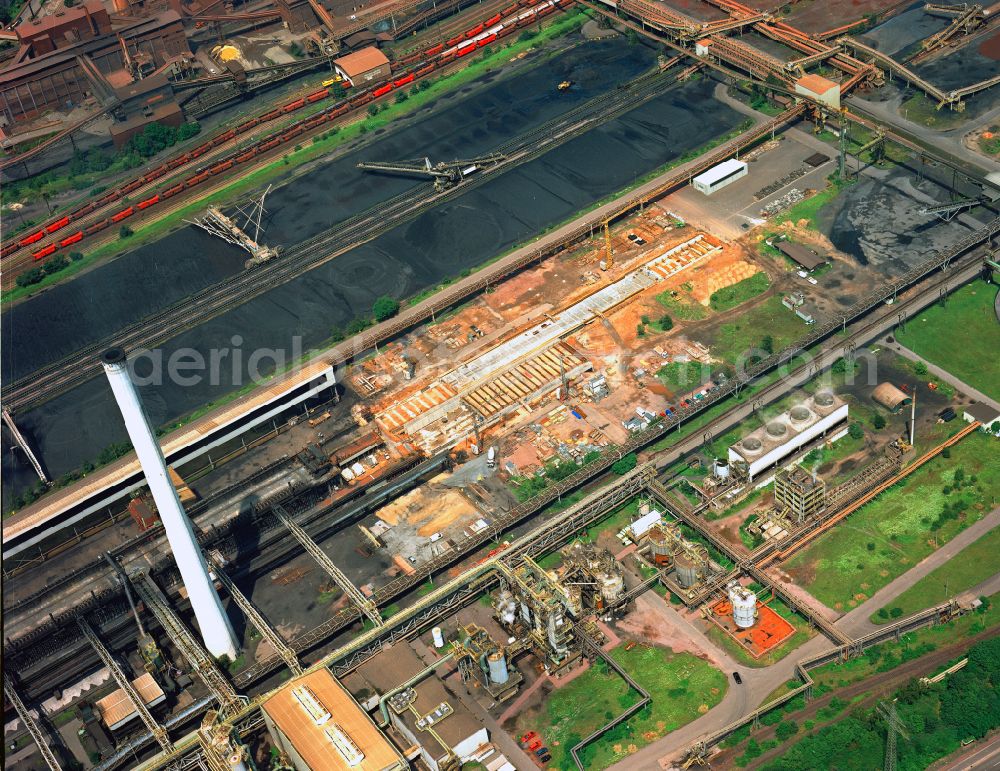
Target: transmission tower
{"type": "Point", "coordinates": [893, 726]}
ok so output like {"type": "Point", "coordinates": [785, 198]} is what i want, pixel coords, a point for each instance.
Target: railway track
{"type": "Point", "coordinates": [49, 381]}
{"type": "Point", "coordinates": [402, 585]}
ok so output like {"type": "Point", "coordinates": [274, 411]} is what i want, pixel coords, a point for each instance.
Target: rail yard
{"type": "Point", "coordinates": [510, 385]}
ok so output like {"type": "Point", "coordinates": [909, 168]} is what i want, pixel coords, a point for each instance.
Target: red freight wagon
{"type": "Point", "coordinates": [493, 20]}
{"type": "Point", "coordinates": [148, 202]}
{"type": "Point", "coordinates": [486, 40]}
{"type": "Point", "coordinates": [475, 30]}
{"type": "Point", "coordinates": [434, 50]}
{"type": "Point", "coordinates": [403, 80]}
{"type": "Point", "coordinates": [78, 236]}
{"type": "Point", "coordinates": [382, 91]}
{"type": "Point", "coordinates": [58, 224]}
{"type": "Point", "coordinates": [32, 238]}
{"type": "Point", "coordinates": [124, 213]}
{"type": "Point", "coordinates": [293, 106]}
{"type": "Point", "coordinates": [172, 191]}
{"type": "Point", "coordinates": [318, 95]}
{"type": "Point", "coordinates": [96, 227]}
{"type": "Point", "coordinates": [43, 253]}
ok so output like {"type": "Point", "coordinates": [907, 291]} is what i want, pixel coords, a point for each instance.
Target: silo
{"type": "Point", "coordinates": [687, 571]}
{"type": "Point", "coordinates": [744, 604]}
{"type": "Point", "coordinates": [498, 667]}
{"type": "Point", "coordinates": [659, 546]}
{"type": "Point", "coordinates": [722, 468]}
{"type": "Point", "coordinates": [612, 588]}
{"type": "Point", "coordinates": [438, 637]}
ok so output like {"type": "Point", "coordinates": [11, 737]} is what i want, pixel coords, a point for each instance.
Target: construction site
{"type": "Point", "coordinates": [444, 385]}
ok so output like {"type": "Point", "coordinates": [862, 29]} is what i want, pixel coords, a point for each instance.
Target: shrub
{"type": "Point", "coordinates": [787, 730]}
{"type": "Point", "coordinates": [30, 277]}
{"type": "Point", "coordinates": [76, 256]}
{"type": "Point", "coordinates": [856, 431]}
{"type": "Point", "coordinates": [626, 464]}
{"type": "Point", "coordinates": [55, 264]}
{"type": "Point", "coordinates": [878, 422]}
{"type": "Point", "coordinates": [920, 368]}
{"type": "Point", "coordinates": [385, 307]}
{"type": "Point", "coordinates": [125, 232]}
{"type": "Point", "coordinates": [666, 323]}
{"type": "Point", "coordinates": [336, 334]}
{"type": "Point", "coordinates": [896, 612]}
{"type": "Point", "coordinates": [883, 613]}
{"type": "Point", "coordinates": [402, 96]}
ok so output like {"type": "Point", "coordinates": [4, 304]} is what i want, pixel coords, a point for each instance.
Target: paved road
{"type": "Point", "coordinates": [982, 757]}
{"type": "Point", "coordinates": [945, 375]}
{"type": "Point", "coordinates": [949, 141]}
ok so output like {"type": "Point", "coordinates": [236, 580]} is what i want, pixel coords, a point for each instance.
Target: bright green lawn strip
{"type": "Point", "coordinates": [974, 564]}
{"type": "Point", "coordinates": [932, 335]}
{"type": "Point", "coordinates": [679, 683]}
{"type": "Point", "coordinates": [767, 319]}
{"type": "Point", "coordinates": [738, 293]}
{"type": "Point", "coordinates": [898, 525]}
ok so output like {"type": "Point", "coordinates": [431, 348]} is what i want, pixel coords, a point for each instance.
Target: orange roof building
{"type": "Point", "coordinates": [320, 727]}
{"type": "Point", "coordinates": [821, 89]}
{"type": "Point", "coordinates": [363, 66]}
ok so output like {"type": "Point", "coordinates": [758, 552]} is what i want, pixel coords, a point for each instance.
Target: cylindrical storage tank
{"type": "Point", "coordinates": [438, 637]}
{"type": "Point", "coordinates": [612, 588]}
{"type": "Point", "coordinates": [744, 604]}
{"type": "Point", "coordinates": [498, 667]}
{"type": "Point", "coordinates": [659, 546]}
{"type": "Point", "coordinates": [722, 468]}
{"type": "Point", "coordinates": [687, 571]}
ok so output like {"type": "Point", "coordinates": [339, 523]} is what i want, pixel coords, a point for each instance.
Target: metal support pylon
{"type": "Point", "coordinates": [260, 623]}
{"type": "Point", "coordinates": [197, 657]}
{"type": "Point", "coordinates": [363, 604]}
{"type": "Point", "coordinates": [125, 684]}
{"type": "Point", "coordinates": [42, 741]}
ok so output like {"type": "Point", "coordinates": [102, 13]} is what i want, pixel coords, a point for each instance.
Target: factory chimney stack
{"type": "Point", "coordinates": [913, 416]}
{"type": "Point", "coordinates": [212, 621]}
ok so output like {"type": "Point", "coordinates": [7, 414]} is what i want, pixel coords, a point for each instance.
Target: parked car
{"type": "Point", "coordinates": [737, 678]}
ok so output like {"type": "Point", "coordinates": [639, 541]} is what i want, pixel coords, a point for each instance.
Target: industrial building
{"type": "Point", "coordinates": [984, 413]}
{"type": "Point", "coordinates": [801, 255]}
{"type": "Point", "coordinates": [319, 726]}
{"type": "Point", "coordinates": [364, 66]}
{"type": "Point", "coordinates": [824, 414]}
{"type": "Point", "coordinates": [890, 397]}
{"type": "Point", "coordinates": [410, 695]}
{"type": "Point", "coordinates": [799, 494]}
{"type": "Point", "coordinates": [822, 90]}
{"type": "Point", "coordinates": [719, 176]}
{"type": "Point", "coordinates": [63, 62]}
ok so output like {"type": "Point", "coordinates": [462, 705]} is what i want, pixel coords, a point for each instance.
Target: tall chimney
{"type": "Point", "coordinates": [216, 630]}
{"type": "Point", "coordinates": [913, 416]}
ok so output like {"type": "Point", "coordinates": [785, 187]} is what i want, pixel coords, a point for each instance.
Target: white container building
{"type": "Point", "coordinates": [719, 176]}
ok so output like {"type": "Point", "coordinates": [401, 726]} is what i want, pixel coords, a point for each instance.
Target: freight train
{"type": "Point", "coordinates": [436, 56]}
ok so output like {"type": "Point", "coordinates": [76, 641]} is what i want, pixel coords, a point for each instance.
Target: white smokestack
{"type": "Point", "coordinates": [913, 416]}
{"type": "Point", "coordinates": [215, 628]}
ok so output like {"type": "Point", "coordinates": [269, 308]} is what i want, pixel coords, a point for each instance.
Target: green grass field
{"type": "Point", "coordinates": [932, 334]}
{"type": "Point", "coordinates": [683, 307]}
{"type": "Point", "coordinates": [740, 292]}
{"type": "Point", "coordinates": [682, 687]}
{"type": "Point", "coordinates": [974, 564]}
{"type": "Point", "coordinates": [683, 376]}
{"type": "Point", "coordinates": [768, 319]}
{"type": "Point", "coordinates": [894, 532]}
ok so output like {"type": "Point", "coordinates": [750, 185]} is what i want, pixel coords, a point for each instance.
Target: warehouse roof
{"type": "Point", "coordinates": [360, 62]}
{"type": "Point", "coordinates": [117, 708]}
{"type": "Point", "coordinates": [312, 742]}
{"type": "Point", "coordinates": [816, 83]}
{"type": "Point", "coordinates": [721, 171]}
{"type": "Point", "coordinates": [889, 396]}
{"type": "Point", "coordinates": [804, 256]}
{"type": "Point", "coordinates": [984, 413]}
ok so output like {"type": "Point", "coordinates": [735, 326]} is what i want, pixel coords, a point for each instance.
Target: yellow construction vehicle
{"type": "Point", "coordinates": [565, 85]}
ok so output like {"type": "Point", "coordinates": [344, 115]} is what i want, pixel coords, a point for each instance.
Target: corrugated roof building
{"type": "Point", "coordinates": [364, 66]}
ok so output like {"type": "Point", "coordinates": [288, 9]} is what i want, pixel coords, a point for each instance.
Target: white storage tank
{"type": "Point", "coordinates": [722, 468]}
{"type": "Point", "coordinates": [744, 604]}
{"type": "Point", "coordinates": [498, 667]}
{"type": "Point", "coordinates": [438, 637]}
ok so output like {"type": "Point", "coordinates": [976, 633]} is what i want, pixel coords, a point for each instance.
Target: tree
{"type": "Point", "coordinates": [125, 232]}
{"type": "Point", "coordinates": [625, 465]}
{"type": "Point", "coordinates": [959, 475]}
{"type": "Point", "coordinates": [76, 256]}
{"type": "Point", "coordinates": [856, 431]}
{"type": "Point", "coordinates": [55, 264]}
{"type": "Point", "coordinates": [385, 307]}
{"type": "Point", "coordinates": [878, 422]}
{"type": "Point", "coordinates": [30, 277]}
{"type": "Point", "coordinates": [357, 325]}
{"type": "Point", "coordinates": [920, 368]}
{"type": "Point", "coordinates": [786, 730]}
{"type": "Point", "coordinates": [666, 323]}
